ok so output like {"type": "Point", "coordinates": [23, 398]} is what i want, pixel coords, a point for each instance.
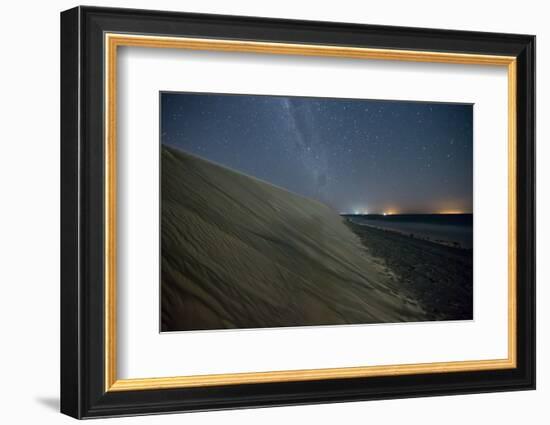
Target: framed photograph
{"type": "Point", "coordinates": [261, 212]}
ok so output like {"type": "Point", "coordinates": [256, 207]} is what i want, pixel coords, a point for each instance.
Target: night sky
{"type": "Point", "coordinates": [357, 156]}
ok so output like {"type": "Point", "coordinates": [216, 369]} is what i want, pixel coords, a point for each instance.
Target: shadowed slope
{"type": "Point", "coordinates": [238, 252]}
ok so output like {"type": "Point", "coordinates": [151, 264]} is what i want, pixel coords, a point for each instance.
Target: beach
{"type": "Point", "coordinates": [438, 276]}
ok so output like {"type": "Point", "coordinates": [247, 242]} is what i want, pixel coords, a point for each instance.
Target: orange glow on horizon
{"type": "Point", "coordinates": [395, 211]}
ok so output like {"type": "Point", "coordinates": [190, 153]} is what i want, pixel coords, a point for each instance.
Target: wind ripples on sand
{"type": "Point", "coordinates": [238, 252]}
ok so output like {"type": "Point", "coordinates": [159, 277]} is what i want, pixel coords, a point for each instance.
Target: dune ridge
{"type": "Point", "coordinates": [237, 252]}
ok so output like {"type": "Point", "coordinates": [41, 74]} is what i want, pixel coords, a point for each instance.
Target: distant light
{"type": "Point", "coordinates": [384, 213]}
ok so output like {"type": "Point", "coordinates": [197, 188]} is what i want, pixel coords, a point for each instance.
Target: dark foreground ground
{"type": "Point", "coordinates": [439, 277]}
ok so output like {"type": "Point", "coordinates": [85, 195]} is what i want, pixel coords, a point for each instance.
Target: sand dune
{"type": "Point", "coordinates": [238, 252]}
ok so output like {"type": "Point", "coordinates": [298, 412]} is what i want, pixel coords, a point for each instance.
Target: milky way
{"type": "Point", "coordinates": [367, 156]}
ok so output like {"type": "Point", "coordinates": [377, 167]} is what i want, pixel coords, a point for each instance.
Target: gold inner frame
{"type": "Point", "coordinates": [113, 41]}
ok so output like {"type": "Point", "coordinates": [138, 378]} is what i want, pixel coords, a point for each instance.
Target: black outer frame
{"type": "Point", "coordinates": [82, 212]}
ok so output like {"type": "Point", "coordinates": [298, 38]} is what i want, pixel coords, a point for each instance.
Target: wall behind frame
{"type": "Point", "coordinates": [29, 219]}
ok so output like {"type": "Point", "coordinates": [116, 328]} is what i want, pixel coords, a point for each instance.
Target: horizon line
{"type": "Point", "coordinates": [234, 170]}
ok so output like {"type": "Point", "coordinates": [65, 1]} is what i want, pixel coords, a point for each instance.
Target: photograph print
{"type": "Point", "coordinates": [285, 211]}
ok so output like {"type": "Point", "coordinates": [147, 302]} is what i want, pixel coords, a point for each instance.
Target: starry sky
{"type": "Point", "coordinates": [356, 156]}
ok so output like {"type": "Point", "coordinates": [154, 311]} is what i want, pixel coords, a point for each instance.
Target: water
{"type": "Point", "coordinates": [449, 229]}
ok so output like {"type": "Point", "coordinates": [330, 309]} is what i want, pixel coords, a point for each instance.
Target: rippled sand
{"type": "Point", "coordinates": [238, 252]}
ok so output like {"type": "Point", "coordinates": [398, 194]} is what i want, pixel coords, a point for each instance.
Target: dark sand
{"type": "Point", "coordinates": [439, 277]}
{"type": "Point", "coordinates": [237, 252]}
